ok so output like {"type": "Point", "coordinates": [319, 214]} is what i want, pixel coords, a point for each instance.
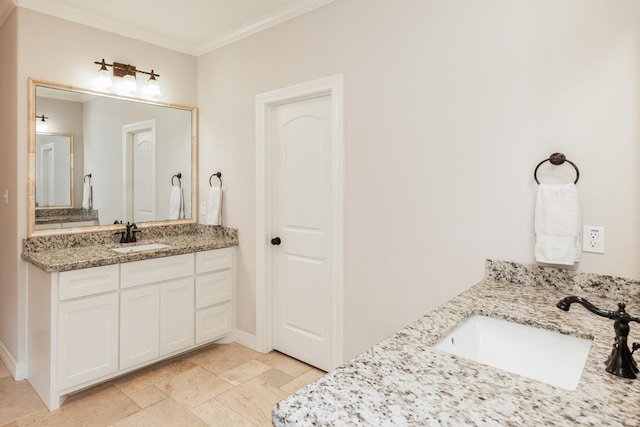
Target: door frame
{"type": "Point", "coordinates": [128, 130]}
{"type": "Point", "coordinates": [265, 103]}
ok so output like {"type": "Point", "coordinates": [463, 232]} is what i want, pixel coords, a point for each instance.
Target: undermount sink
{"type": "Point", "coordinates": [539, 354]}
{"type": "Point", "coordinates": [140, 248]}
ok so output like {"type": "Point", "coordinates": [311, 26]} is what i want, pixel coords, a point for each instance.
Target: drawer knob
{"type": "Point", "coordinates": [276, 241]}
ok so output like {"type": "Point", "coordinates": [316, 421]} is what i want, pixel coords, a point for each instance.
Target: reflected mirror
{"type": "Point", "coordinates": [106, 158]}
{"type": "Point", "coordinates": [54, 170]}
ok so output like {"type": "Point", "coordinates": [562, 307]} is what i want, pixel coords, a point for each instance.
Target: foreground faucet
{"type": "Point", "coordinates": [620, 362]}
{"type": "Point", "coordinates": [130, 235]}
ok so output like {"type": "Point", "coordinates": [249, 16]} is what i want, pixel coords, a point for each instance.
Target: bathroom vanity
{"type": "Point", "coordinates": [405, 381]}
{"type": "Point", "coordinates": [96, 311]}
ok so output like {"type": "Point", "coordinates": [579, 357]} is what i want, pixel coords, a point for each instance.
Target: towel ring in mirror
{"type": "Point", "coordinates": [85, 178]}
{"type": "Point", "coordinates": [219, 176]}
{"type": "Point", "coordinates": [179, 176]}
{"type": "Point", "coordinates": [557, 159]}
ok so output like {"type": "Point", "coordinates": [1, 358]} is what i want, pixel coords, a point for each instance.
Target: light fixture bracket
{"type": "Point", "coordinates": [121, 70]}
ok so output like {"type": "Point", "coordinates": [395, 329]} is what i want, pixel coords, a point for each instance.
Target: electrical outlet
{"type": "Point", "coordinates": [593, 239]}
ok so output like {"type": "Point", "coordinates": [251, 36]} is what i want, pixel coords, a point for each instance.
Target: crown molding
{"type": "Point", "coordinates": [6, 7]}
{"type": "Point", "coordinates": [294, 9]}
{"type": "Point", "coordinates": [49, 7]}
{"type": "Point", "coordinates": [269, 20]}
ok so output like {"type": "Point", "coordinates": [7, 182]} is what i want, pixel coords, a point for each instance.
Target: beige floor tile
{"type": "Point", "coordinates": [215, 414]}
{"type": "Point", "coordinates": [254, 400]}
{"type": "Point", "coordinates": [219, 358]}
{"type": "Point", "coordinates": [148, 396]}
{"type": "Point", "coordinates": [166, 413]}
{"type": "Point", "coordinates": [244, 372]}
{"type": "Point", "coordinates": [194, 387]}
{"type": "Point", "coordinates": [4, 372]}
{"type": "Point", "coordinates": [303, 380]}
{"type": "Point", "coordinates": [276, 377]}
{"type": "Point", "coordinates": [283, 363]}
{"type": "Point", "coordinates": [152, 375]}
{"type": "Point", "coordinates": [93, 408]}
{"type": "Point", "coordinates": [17, 399]}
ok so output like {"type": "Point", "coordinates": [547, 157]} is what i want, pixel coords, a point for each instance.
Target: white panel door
{"type": "Point", "coordinates": [87, 339]}
{"type": "Point", "coordinates": [143, 176]}
{"type": "Point", "coordinates": [302, 220]}
{"type": "Point", "coordinates": [176, 315]}
{"type": "Point", "coordinates": [139, 325]}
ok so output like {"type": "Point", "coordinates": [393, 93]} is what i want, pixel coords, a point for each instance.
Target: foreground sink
{"type": "Point", "coordinates": [140, 248]}
{"type": "Point", "coordinates": [539, 354]}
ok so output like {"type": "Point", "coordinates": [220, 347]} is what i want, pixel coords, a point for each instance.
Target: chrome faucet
{"type": "Point", "coordinates": [620, 362]}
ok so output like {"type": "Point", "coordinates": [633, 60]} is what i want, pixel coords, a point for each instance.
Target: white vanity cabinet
{"type": "Point", "coordinates": [87, 326]}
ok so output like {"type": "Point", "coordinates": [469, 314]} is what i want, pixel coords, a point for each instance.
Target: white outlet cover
{"type": "Point", "coordinates": [593, 239]}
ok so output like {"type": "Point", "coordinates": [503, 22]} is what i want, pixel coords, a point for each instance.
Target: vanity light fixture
{"type": "Point", "coordinates": [41, 126]}
{"type": "Point", "coordinates": [128, 74]}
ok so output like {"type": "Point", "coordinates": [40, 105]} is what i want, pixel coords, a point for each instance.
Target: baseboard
{"type": "Point", "coordinates": [17, 370]}
{"type": "Point", "coordinates": [245, 338]}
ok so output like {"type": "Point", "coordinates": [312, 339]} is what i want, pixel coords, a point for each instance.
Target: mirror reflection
{"type": "Point", "coordinates": [54, 166]}
{"type": "Point", "coordinates": [106, 159]}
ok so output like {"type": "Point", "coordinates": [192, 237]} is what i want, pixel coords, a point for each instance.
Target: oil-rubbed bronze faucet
{"type": "Point", "coordinates": [620, 362]}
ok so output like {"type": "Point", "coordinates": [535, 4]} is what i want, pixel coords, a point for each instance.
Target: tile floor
{"type": "Point", "coordinates": [221, 385]}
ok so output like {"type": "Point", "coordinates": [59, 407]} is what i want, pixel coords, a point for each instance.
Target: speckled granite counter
{"type": "Point", "coordinates": [402, 381]}
{"type": "Point", "coordinates": [74, 251]}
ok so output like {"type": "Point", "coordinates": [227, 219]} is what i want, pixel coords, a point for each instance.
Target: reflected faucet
{"type": "Point", "coordinates": [620, 362]}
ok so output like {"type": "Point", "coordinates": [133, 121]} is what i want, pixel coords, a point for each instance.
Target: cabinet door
{"type": "Point", "coordinates": [87, 339]}
{"type": "Point", "coordinates": [176, 315]}
{"type": "Point", "coordinates": [139, 323]}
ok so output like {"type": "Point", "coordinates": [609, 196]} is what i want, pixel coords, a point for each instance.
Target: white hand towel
{"type": "Point", "coordinates": [176, 203]}
{"type": "Point", "coordinates": [214, 206]}
{"type": "Point", "coordinates": [87, 195]}
{"type": "Point", "coordinates": [557, 224]}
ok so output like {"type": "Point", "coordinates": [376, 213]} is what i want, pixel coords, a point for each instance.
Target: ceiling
{"type": "Point", "coordinates": [190, 26]}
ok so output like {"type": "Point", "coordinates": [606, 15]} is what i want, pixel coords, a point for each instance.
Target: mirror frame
{"type": "Point", "coordinates": [31, 161]}
{"type": "Point", "coordinates": [71, 171]}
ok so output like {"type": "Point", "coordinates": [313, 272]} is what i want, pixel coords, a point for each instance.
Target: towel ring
{"type": "Point", "coordinates": [179, 176]}
{"type": "Point", "coordinates": [84, 179]}
{"type": "Point", "coordinates": [557, 159]}
{"type": "Point", "coordinates": [217, 174]}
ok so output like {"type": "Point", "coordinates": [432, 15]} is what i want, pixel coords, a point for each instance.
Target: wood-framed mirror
{"type": "Point", "coordinates": [126, 154]}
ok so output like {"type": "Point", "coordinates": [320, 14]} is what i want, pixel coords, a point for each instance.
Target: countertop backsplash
{"type": "Point", "coordinates": [571, 281]}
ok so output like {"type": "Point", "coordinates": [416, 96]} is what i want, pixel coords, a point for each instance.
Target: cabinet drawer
{"type": "Point", "coordinates": [217, 259]}
{"type": "Point", "coordinates": [155, 270]}
{"type": "Point", "coordinates": [88, 281]}
{"type": "Point", "coordinates": [213, 322]}
{"type": "Point", "coordinates": [213, 288]}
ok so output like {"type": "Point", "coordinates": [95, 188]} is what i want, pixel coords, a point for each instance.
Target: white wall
{"type": "Point", "coordinates": [450, 104]}
{"type": "Point", "coordinates": [66, 58]}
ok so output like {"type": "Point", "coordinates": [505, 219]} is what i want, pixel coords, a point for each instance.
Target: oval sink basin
{"type": "Point", "coordinates": [539, 354]}
{"type": "Point", "coordinates": [140, 248]}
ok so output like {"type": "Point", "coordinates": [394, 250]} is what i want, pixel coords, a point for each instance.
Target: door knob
{"type": "Point", "coordinates": [276, 241]}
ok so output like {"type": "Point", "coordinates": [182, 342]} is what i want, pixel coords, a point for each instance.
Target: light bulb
{"type": "Point", "coordinates": [129, 83]}
{"type": "Point", "coordinates": [153, 87]}
{"type": "Point", "coordinates": [103, 81]}
{"type": "Point", "coordinates": [42, 126]}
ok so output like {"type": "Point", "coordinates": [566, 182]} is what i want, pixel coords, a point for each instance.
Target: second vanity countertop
{"type": "Point", "coordinates": [403, 381]}
{"type": "Point", "coordinates": [77, 254]}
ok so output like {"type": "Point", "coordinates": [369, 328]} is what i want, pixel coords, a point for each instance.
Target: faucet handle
{"type": "Point", "coordinates": [133, 235]}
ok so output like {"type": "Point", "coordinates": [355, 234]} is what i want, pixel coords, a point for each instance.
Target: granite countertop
{"type": "Point", "coordinates": [402, 381]}
{"type": "Point", "coordinates": [72, 252]}
{"type": "Point", "coordinates": [65, 218]}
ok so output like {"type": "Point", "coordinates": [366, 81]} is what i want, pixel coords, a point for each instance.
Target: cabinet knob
{"type": "Point", "coordinates": [276, 241]}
